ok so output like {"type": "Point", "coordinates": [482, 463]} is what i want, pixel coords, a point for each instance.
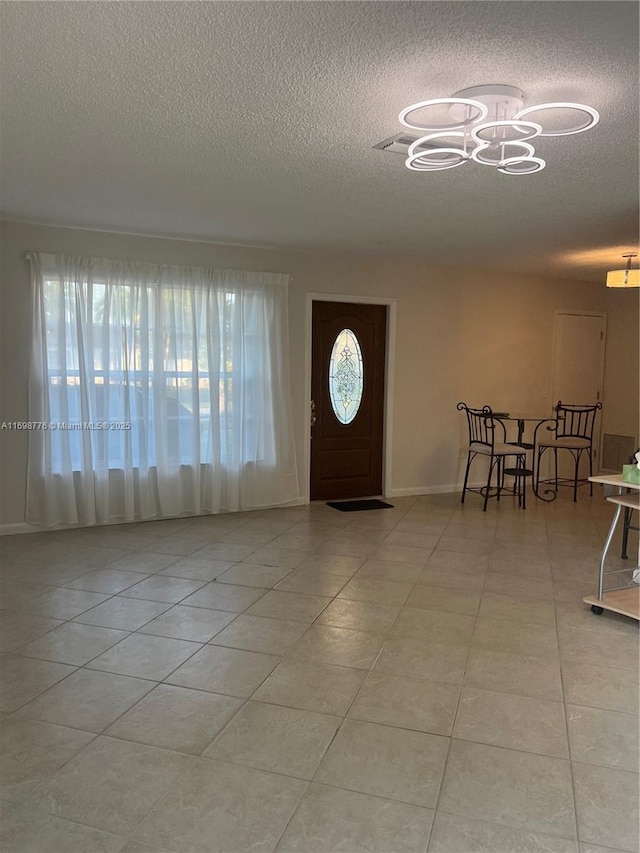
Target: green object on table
{"type": "Point", "coordinates": [631, 474]}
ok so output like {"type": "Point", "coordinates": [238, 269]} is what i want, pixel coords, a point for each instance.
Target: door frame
{"type": "Point", "coordinates": [598, 431]}
{"type": "Point", "coordinates": [580, 313]}
{"type": "Point", "coordinates": [387, 445]}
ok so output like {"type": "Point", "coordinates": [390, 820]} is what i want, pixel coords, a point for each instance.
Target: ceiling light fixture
{"type": "Point", "coordinates": [626, 277]}
{"type": "Point", "coordinates": [487, 122]}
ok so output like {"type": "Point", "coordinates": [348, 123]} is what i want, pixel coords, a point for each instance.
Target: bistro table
{"type": "Point", "coordinates": [522, 419]}
{"type": "Point", "coordinates": [622, 599]}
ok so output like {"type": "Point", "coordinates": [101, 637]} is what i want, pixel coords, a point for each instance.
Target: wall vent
{"type": "Point", "coordinates": [616, 450]}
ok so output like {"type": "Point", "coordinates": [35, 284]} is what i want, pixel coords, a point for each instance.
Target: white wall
{"type": "Point", "coordinates": [462, 334]}
{"type": "Point", "coordinates": [620, 413]}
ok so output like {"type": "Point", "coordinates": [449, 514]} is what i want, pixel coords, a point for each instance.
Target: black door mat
{"type": "Point", "coordinates": [357, 506]}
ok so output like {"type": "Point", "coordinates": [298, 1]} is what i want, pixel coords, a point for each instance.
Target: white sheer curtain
{"type": "Point", "coordinates": [156, 391]}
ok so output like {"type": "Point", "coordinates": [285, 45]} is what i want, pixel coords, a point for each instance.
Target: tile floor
{"type": "Point", "coordinates": [423, 678]}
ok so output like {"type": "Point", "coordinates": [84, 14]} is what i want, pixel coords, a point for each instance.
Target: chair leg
{"type": "Point", "coordinates": [590, 451]}
{"type": "Point", "coordinates": [555, 459]}
{"type": "Point", "coordinates": [466, 477]}
{"type": "Point", "coordinates": [575, 476]}
{"type": "Point", "coordinates": [536, 467]}
{"type": "Point", "coordinates": [486, 489]}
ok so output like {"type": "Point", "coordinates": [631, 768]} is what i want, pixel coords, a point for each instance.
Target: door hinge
{"type": "Point", "coordinates": [312, 416]}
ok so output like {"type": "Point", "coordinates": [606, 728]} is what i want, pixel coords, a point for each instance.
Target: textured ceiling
{"type": "Point", "coordinates": [254, 123]}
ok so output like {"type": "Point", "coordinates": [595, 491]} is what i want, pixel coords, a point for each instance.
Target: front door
{"type": "Point", "coordinates": [347, 399]}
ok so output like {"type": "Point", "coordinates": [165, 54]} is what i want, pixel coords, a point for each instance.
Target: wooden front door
{"type": "Point", "coordinates": [347, 399]}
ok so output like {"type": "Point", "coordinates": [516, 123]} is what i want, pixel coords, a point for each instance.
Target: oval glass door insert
{"type": "Point", "coordinates": [346, 376]}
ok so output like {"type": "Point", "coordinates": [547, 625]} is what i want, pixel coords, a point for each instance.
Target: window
{"type": "Point", "coordinates": [346, 376]}
{"type": "Point", "coordinates": [159, 375]}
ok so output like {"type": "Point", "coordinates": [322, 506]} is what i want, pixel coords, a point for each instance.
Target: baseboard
{"type": "Point", "coordinates": [450, 488]}
{"type": "Point", "coordinates": [24, 527]}
{"type": "Point", "coordinates": [21, 527]}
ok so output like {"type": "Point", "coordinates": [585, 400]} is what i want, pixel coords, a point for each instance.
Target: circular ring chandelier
{"type": "Point", "coordinates": [488, 123]}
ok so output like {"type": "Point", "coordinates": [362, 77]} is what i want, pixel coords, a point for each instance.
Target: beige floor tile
{"type": "Point", "coordinates": [219, 808]}
{"type": "Point", "coordinates": [313, 582]}
{"type": "Point", "coordinates": [444, 600]}
{"type": "Point", "coordinates": [576, 615]}
{"type": "Point", "coordinates": [601, 687]}
{"type": "Point", "coordinates": [128, 614]}
{"type": "Point", "coordinates": [455, 561]}
{"type": "Point", "coordinates": [23, 678]}
{"type": "Point", "coordinates": [258, 634]}
{"type": "Point", "coordinates": [607, 806]}
{"type": "Point", "coordinates": [172, 545]}
{"type": "Point", "coordinates": [394, 700]}
{"type": "Point", "coordinates": [590, 647]}
{"type": "Point", "coordinates": [196, 624]}
{"type": "Point", "coordinates": [73, 643]}
{"type": "Point", "coordinates": [246, 536]}
{"type": "Point", "coordinates": [455, 834]}
{"type": "Point", "coordinates": [607, 738]}
{"type": "Point", "coordinates": [224, 596]}
{"type": "Point", "coordinates": [229, 671]}
{"type": "Point", "coordinates": [507, 673]}
{"type": "Point", "coordinates": [249, 574]}
{"type": "Point", "coordinates": [63, 603]}
{"type": "Point", "coordinates": [31, 751]}
{"type": "Point", "coordinates": [23, 830]}
{"type": "Point", "coordinates": [311, 686]}
{"type": "Point", "coordinates": [176, 718]}
{"type": "Point", "coordinates": [515, 722]}
{"type": "Point", "coordinates": [144, 656]}
{"type": "Point", "coordinates": [293, 606]}
{"type": "Point", "coordinates": [518, 586]}
{"type": "Point", "coordinates": [146, 563]}
{"type": "Point", "coordinates": [423, 541]}
{"type": "Point", "coordinates": [518, 789]}
{"type": "Point", "coordinates": [355, 545]}
{"type": "Point", "coordinates": [111, 784]}
{"type": "Point", "coordinates": [359, 615]}
{"type": "Point", "coordinates": [377, 591]}
{"type": "Point", "coordinates": [17, 629]}
{"type": "Point", "coordinates": [273, 556]}
{"type": "Point", "coordinates": [394, 763]}
{"type": "Point", "coordinates": [502, 606]}
{"type": "Point", "coordinates": [411, 523]}
{"type": "Point", "coordinates": [338, 646]}
{"type": "Point", "coordinates": [402, 554]}
{"type": "Point", "coordinates": [14, 593]}
{"type": "Point", "coordinates": [451, 579]}
{"type": "Point", "coordinates": [329, 820]}
{"type": "Point", "coordinates": [433, 627]}
{"type": "Point", "coordinates": [197, 568]}
{"type": "Point", "coordinates": [227, 551]}
{"type": "Point", "coordinates": [274, 738]}
{"type": "Point", "coordinates": [109, 581]}
{"type": "Point", "coordinates": [423, 661]}
{"type": "Point", "coordinates": [420, 667]}
{"type": "Point", "coordinates": [333, 564]}
{"type": "Point", "coordinates": [163, 588]}
{"type": "Point", "coordinates": [386, 571]}
{"type": "Point", "coordinates": [87, 700]}
{"type": "Point", "coordinates": [521, 638]}
{"type": "Point", "coordinates": [463, 545]}
{"type": "Point", "coordinates": [466, 530]}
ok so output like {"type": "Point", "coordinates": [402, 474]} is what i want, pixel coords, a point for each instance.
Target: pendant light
{"type": "Point", "coordinates": [626, 277]}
